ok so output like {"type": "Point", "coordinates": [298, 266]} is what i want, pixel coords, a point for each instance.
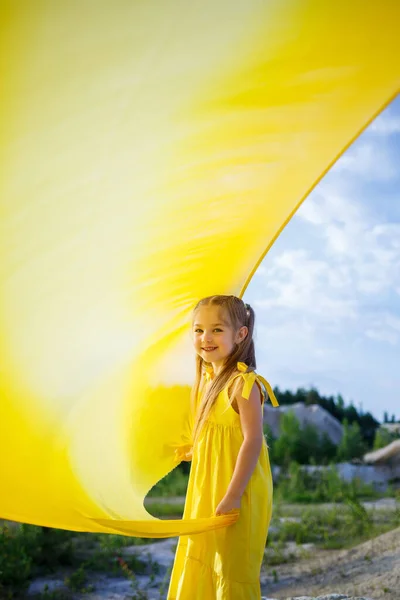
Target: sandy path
{"type": "Point", "coordinates": [371, 569]}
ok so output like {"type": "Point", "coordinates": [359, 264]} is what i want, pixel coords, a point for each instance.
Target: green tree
{"type": "Point", "coordinates": [302, 445]}
{"type": "Point", "coordinates": [289, 441]}
{"type": "Point", "coordinates": [383, 438]}
{"type": "Point", "coordinates": [352, 444]}
{"type": "Point", "coordinates": [327, 450]}
{"type": "Point", "coordinates": [340, 402]}
{"type": "Point", "coordinates": [309, 448]}
{"type": "Point", "coordinates": [351, 414]}
{"type": "Point", "coordinates": [369, 426]}
{"type": "Point", "coordinates": [313, 397]}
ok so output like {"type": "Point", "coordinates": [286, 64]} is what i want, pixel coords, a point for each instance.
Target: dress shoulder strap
{"type": "Point", "coordinates": [249, 378]}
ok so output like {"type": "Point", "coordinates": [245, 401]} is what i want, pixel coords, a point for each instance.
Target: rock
{"type": "Point", "coordinates": [389, 455]}
{"type": "Point", "coordinates": [306, 414]}
{"type": "Point", "coordinates": [162, 553]}
{"type": "Point", "coordinates": [51, 584]}
{"type": "Point", "coordinates": [289, 550]}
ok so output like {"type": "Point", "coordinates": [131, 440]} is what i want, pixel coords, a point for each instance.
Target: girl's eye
{"type": "Point", "coordinates": [216, 329]}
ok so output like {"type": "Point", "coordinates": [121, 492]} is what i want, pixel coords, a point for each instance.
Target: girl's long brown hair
{"type": "Point", "coordinates": [234, 310]}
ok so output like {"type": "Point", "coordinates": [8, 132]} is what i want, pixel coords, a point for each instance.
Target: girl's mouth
{"type": "Point", "coordinates": [211, 349]}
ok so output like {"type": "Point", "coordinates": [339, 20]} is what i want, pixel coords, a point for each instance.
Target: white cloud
{"type": "Point", "coordinates": [384, 327]}
{"type": "Point", "coordinates": [297, 282]}
{"type": "Point", "coordinates": [365, 256]}
{"type": "Point", "coordinates": [358, 262]}
{"type": "Point", "coordinates": [328, 205]}
{"type": "Point", "coordinates": [293, 342]}
{"type": "Point", "coordinates": [372, 161]}
{"type": "Point", "coordinates": [385, 125]}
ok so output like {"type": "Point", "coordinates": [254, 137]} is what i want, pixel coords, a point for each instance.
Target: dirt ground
{"type": "Point", "coordinates": [371, 569]}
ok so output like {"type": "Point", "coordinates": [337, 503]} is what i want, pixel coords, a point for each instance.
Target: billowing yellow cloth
{"type": "Point", "coordinates": [150, 154]}
{"type": "Point", "coordinates": [224, 563]}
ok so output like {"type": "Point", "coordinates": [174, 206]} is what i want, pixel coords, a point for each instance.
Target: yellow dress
{"type": "Point", "coordinates": [224, 564]}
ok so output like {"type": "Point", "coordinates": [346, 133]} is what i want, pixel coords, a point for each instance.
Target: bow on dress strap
{"type": "Point", "coordinates": [250, 378]}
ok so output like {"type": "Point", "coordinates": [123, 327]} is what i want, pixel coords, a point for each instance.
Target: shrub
{"type": "Point", "coordinates": [15, 563]}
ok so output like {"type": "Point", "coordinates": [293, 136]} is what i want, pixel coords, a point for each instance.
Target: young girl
{"type": "Point", "coordinates": [230, 465]}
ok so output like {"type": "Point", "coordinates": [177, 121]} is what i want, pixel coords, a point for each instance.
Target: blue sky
{"type": "Point", "coordinates": [327, 295]}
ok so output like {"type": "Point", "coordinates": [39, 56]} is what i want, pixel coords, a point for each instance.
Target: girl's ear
{"type": "Point", "coordinates": [242, 333]}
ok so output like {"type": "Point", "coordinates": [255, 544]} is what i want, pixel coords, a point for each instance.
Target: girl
{"type": "Point", "coordinates": [230, 465]}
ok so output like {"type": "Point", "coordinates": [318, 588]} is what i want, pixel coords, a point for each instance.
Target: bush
{"type": "Point", "coordinates": [173, 484]}
{"type": "Point", "coordinates": [304, 445]}
{"type": "Point", "coordinates": [331, 528]}
{"type": "Point", "coordinates": [352, 444]}
{"type": "Point", "coordinates": [15, 563]}
{"type": "Point", "coordinates": [324, 485]}
{"type": "Point", "coordinates": [383, 438]}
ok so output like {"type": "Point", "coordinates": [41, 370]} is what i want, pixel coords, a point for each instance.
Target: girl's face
{"type": "Point", "coordinates": [213, 336]}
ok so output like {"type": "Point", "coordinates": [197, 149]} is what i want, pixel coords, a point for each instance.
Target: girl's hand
{"type": "Point", "coordinates": [188, 456]}
{"type": "Point", "coordinates": [184, 453]}
{"type": "Point", "coordinates": [227, 504]}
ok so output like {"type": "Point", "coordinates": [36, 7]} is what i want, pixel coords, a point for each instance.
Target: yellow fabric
{"type": "Point", "coordinates": [150, 154]}
{"type": "Point", "coordinates": [223, 564]}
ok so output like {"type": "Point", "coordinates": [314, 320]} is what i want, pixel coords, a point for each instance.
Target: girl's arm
{"type": "Point", "coordinates": [251, 421]}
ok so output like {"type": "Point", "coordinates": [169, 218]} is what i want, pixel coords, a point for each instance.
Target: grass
{"type": "Point", "coordinates": [27, 551]}
{"type": "Point", "coordinates": [166, 510]}
{"type": "Point", "coordinates": [173, 484]}
{"type": "Point", "coordinates": [341, 526]}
